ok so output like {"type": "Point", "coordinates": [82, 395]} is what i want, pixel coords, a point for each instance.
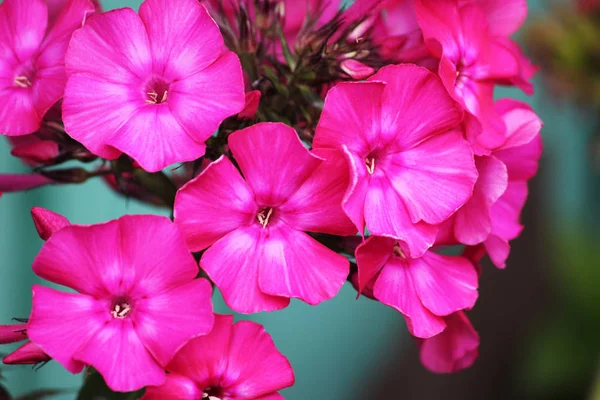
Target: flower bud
{"type": "Point", "coordinates": [356, 70]}
{"type": "Point", "coordinates": [28, 354]}
{"type": "Point", "coordinates": [12, 333]}
{"type": "Point", "coordinates": [47, 222]}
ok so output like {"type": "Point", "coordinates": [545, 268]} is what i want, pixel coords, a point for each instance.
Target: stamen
{"type": "Point", "coordinates": [398, 251]}
{"type": "Point", "coordinates": [370, 163]}
{"type": "Point", "coordinates": [164, 98]}
{"type": "Point", "coordinates": [22, 81]}
{"type": "Point", "coordinates": [264, 215]}
{"type": "Point", "coordinates": [121, 310]}
{"type": "Point", "coordinates": [153, 97]}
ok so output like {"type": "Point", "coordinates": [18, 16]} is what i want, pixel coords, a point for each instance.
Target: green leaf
{"type": "Point", "coordinates": [95, 388]}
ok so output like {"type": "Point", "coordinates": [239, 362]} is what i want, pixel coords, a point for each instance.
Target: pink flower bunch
{"type": "Point", "coordinates": [297, 145]}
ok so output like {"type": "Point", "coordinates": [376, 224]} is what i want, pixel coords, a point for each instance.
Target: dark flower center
{"type": "Point", "coordinates": [157, 91]}
{"type": "Point", "coordinates": [212, 393]}
{"type": "Point", "coordinates": [24, 76]}
{"type": "Point", "coordinates": [397, 251]}
{"type": "Point", "coordinates": [121, 308]}
{"type": "Point", "coordinates": [264, 216]}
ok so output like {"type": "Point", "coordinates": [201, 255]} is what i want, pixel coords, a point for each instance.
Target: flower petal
{"type": "Point", "coordinates": [273, 161]}
{"type": "Point", "coordinates": [522, 161]}
{"type": "Point", "coordinates": [445, 284]}
{"type": "Point", "coordinates": [22, 28]}
{"type": "Point", "coordinates": [371, 256]}
{"type": "Point", "coordinates": [434, 178]}
{"type": "Point", "coordinates": [218, 191]}
{"type": "Point", "coordinates": [204, 359]}
{"type": "Point", "coordinates": [232, 263]}
{"type": "Point", "coordinates": [505, 17]}
{"type": "Point", "coordinates": [295, 265]}
{"type": "Point", "coordinates": [255, 366]}
{"type": "Point", "coordinates": [317, 205]}
{"type": "Point", "coordinates": [18, 114]}
{"type": "Point", "coordinates": [61, 323]}
{"type": "Point", "coordinates": [176, 387]}
{"type": "Point", "coordinates": [47, 222]}
{"type": "Point", "coordinates": [351, 117]}
{"type": "Point", "coordinates": [202, 101]}
{"type": "Point", "coordinates": [118, 354]}
{"type": "Point", "coordinates": [395, 287]}
{"type": "Point", "coordinates": [356, 194]}
{"type": "Point", "coordinates": [166, 322]}
{"type": "Point", "coordinates": [387, 215]}
{"type": "Point", "coordinates": [415, 106]}
{"type": "Point", "coordinates": [184, 39]}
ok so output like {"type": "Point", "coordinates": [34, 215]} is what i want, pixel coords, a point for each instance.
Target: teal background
{"type": "Point", "coordinates": [340, 349]}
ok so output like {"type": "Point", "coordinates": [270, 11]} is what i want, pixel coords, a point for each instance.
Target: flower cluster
{"type": "Point", "coordinates": [299, 145]}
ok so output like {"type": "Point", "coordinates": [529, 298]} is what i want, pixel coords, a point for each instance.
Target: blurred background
{"type": "Point", "coordinates": [539, 320]}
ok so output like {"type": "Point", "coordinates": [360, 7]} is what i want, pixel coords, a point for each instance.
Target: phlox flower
{"type": "Point", "coordinates": [409, 169]}
{"type": "Point", "coordinates": [258, 254]}
{"type": "Point", "coordinates": [235, 361]}
{"type": "Point", "coordinates": [424, 289]}
{"type": "Point", "coordinates": [138, 301]}
{"type": "Point", "coordinates": [472, 60]}
{"type": "Point", "coordinates": [33, 42]}
{"type": "Point", "coordinates": [453, 350]}
{"type": "Point", "coordinates": [154, 86]}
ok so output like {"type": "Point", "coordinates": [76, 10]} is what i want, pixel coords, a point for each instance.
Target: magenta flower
{"type": "Point", "coordinates": [235, 361]}
{"type": "Point", "coordinates": [27, 354]}
{"type": "Point", "coordinates": [473, 223]}
{"type": "Point", "coordinates": [32, 51]}
{"type": "Point", "coordinates": [409, 171]}
{"type": "Point", "coordinates": [137, 302]}
{"type": "Point", "coordinates": [259, 255]}
{"type": "Point", "coordinates": [472, 60]}
{"type": "Point", "coordinates": [424, 289]}
{"type": "Point", "coordinates": [453, 350]}
{"type": "Point", "coordinates": [153, 86]}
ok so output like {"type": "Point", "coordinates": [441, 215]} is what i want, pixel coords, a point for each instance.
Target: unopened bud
{"type": "Point", "coordinates": [47, 222]}
{"type": "Point", "coordinates": [356, 70]}
{"type": "Point", "coordinates": [28, 354]}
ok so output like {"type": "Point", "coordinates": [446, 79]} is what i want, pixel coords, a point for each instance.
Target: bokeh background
{"type": "Point", "coordinates": [539, 320]}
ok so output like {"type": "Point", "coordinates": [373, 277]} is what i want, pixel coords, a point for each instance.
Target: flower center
{"type": "Point", "coordinates": [397, 251]}
{"type": "Point", "coordinates": [157, 91]}
{"type": "Point", "coordinates": [264, 216]}
{"type": "Point", "coordinates": [212, 394]}
{"type": "Point", "coordinates": [121, 309]}
{"type": "Point", "coordinates": [24, 76]}
{"type": "Point", "coordinates": [370, 164]}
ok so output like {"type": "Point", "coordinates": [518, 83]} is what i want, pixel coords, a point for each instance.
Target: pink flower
{"type": "Point", "coordinates": [28, 354]}
{"type": "Point", "coordinates": [471, 59]}
{"type": "Point", "coordinates": [153, 86]}
{"type": "Point", "coordinates": [455, 349]}
{"type": "Point", "coordinates": [409, 170]}
{"type": "Point", "coordinates": [251, 104]}
{"type": "Point", "coordinates": [32, 51]}
{"type": "Point", "coordinates": [12, 333]}
{"type": "Point", "coordinates": [258, 254]}
{"type": "Point", "coordinates": [424, 289]}
{"type": "Point", "coordinates": [137, 302]}
{"type": "Point", "coordinates": [235, 361]}
{"type": "Point", "coordinates": [521, 155]}
{"type": "Point", "coordinates": [472, 224]}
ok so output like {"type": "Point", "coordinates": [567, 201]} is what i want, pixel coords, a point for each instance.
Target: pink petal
{"type": "Point", "coordinates": [166, 322]}
{"type": "Point", "coordinates": [371, 256]}
{"type": "Point", "coordinates": [28, 354]}
{"type": "Point", "coordinates": [232, 263]}
{"type": "Point", "coordinates": [252, 102]}
{"type": "Point", "coordinates": [18, 115]}
{"type": "Point", "coordinates": [22, 28]}
{"type": "Point", "coordinates": [506, 212]}
{"type": "Point", "coordinates": [522, 123]}
{"type": "Point", "coordinates": [445, 284]}
{"type": "Point", "coordinates": [452, 350]}
{"type": "Point", "coordinates": [112, 47]}
{"type": "Point", "coordinates": [205, 358]}
{"type": "Point", "coordinates": [473, 223]}
{"type": "Point", "coordinates": [440, 23]}
{"type": "Point", "coordinates": [434, 178]}
{"type": "Point", "coordinates": [255, 366]}
{"type": "Point", "coordinates": [356, 70]}
{"type": "Point", "coordinates": [317, 205]}
{"type": "Point", "coordinates": [176, 387]}
{"type": "Point", "coordinates": [155, 139]}
{"type": "Point", "coordinates": [13, 333]}
{"type": "Point", "coordinates": [498, 249]}
{"type": "Point", "coordinates": [218, 191]}
{"type": "Point", "coordinates": [395, 221]}
{"type": "Point", "coordinates": [522, 161]}
{"type": "Point", "coordinates": [118, 354]}
{"type": "Point", "coordinates": [415, 106]}
{"type": "Point", "coordinates": [47, 222]}
{"type": "Point", "coordinates": [37, 152]}
{"type": "Point", "coordinates": [356, 194]}
{"type": "Point", "coordinates": [202, 101]}
{"type": "Point", "coordinates": [273, 161]}
{"type": "Point", "coordinates": [505, 17]}
{"type": "Point", "coordinates": [184, 39]}
{"type": "Point", "coordinates": [17, 183]}
{"type": "Point", "coordinates": [395, 287]}
{"type": "Point", "coordinates": [351, 117]}
{"type": "Point", "coordinates": [295, 265]}
{"type": "Point", "coordinates": [59, 333]}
